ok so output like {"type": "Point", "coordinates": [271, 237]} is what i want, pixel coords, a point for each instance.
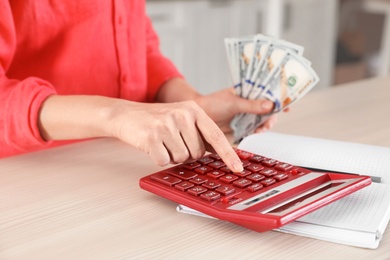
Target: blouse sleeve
{"type": "Point", "coordinates": [20, 99]}
{"type": "Point", "coordinates": [159, 68]}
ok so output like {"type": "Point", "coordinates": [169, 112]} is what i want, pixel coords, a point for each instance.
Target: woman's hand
{"type": "Point", "coordinates": [220, 106]}
{"type": "Point", "coordinates": [171, 132]}
{"type": "Point", "coordinates": [223, 105]}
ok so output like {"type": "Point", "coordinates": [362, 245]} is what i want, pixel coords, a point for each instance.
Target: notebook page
{"type": "Point", "coordinates": [362, 210]}
{"type": "Point", "coordinates": [321, 153]}
{"type": "Point", "coordinates": [336, 235]}
{"type": "Point", "coordinates": [360, 219]}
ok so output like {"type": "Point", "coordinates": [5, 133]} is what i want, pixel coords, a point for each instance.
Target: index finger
{"type": "Point", "coordinates": [217, 139]}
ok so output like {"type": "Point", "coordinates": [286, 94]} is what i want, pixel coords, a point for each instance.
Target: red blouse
{"type": "Point", "coordinates": [95, 47]}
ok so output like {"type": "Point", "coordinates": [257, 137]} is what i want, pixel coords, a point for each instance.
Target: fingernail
{"type": "Point", "coordinates": [237, 166]}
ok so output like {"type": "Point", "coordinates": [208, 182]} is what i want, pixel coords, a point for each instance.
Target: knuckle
{"type": "Point", "coordinates": [217, 135]}
{"type": "Point", "coordinates": [159, 126]}
{"type": "Point", "coordinates": [141, 146]}
{"type": "Point", "coordinates": [147, 139]}
{"type": "Point", "coordinates": [162, 162]}
{"type": "Point", "coordinates": [181, 156]}
{"type": "Point", "coordinates": [180, 117]}
{"type": "Point", "coordinates": [159, 158]}
{"type": "Point", "coordinates": [199, 153]}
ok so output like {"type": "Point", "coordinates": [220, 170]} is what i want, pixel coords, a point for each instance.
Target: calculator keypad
{"type": "Point", "coordinates": [209, 179]}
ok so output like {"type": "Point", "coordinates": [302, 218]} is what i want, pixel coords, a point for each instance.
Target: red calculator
{"type": "Point", "coordinates": [266, 195]}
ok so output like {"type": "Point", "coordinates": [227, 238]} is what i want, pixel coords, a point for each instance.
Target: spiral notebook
{"type": "Point", "coordinates": [360, 219]}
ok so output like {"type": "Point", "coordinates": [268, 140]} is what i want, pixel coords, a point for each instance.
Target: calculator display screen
{"type": "Point", "coordinates": [308, 197]}
{"type": "Point", "coordinates": [280, 201]}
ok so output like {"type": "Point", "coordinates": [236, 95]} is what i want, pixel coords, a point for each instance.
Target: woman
{"type": "Point", "coordinates": [81, 69]}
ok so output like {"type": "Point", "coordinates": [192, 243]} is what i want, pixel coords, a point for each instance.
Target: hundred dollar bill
{"type": "Point", "coordinates": [291, 80]}
{"type": "Point", "coordinates": [258, 66]}
{"type": "Point", "coordinates": [239, 52]}
{"type": "Point", "coordinates": [259, 48]}
{"type": "Point", "coordinates": [267, 67]}
{"type": "Point", "coordinates": [245, 52]}
{"type": "Point", "coordinates": [231, 46]}
{"type": "Point", "coordinates": [271, 60]}
{"type": "Point", "coordinates": [245, 57]}
{"type": "Point", "coordinates": [272, 53]}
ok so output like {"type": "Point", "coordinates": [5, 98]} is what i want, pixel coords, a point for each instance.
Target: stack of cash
{"type": "Point", "coordinates": [264, 67]}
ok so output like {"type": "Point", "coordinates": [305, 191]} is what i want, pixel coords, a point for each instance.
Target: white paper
{"type": "Point", "coordinates": [358, 219]}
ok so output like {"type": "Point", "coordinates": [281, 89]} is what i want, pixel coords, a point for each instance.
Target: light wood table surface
{"type": "Point", "coordinates": [82, 201]}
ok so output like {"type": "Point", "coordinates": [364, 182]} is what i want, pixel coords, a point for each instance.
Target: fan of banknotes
{"type": "Point", "coordinates": [264, 67]}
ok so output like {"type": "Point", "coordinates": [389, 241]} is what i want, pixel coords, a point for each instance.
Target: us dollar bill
{"type": "Point", "coordinates": [289, 82]}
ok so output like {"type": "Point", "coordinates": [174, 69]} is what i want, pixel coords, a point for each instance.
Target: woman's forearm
{"type": "Point", "coordinates": [175, 90]}
{"type": "Point", "coordinates": [75, 117]}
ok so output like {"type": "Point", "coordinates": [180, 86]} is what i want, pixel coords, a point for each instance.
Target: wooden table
{"type": "Point", "coordinates": [82, 201]}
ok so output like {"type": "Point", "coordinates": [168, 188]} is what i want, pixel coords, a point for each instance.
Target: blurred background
{"type": "Point", "coordinates": [346, 40]}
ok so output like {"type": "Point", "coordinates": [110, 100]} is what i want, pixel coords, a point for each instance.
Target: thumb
{"type": "Point", "coordinates": [259, 106]}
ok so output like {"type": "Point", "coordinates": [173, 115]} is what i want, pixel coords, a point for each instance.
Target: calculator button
{"type": "Point", "coordinates": [254, 167]}
{"type": "Point", "coordinates": [203, 169]}
{"type": "Point", "coordinates": [269, 162]}
{"type": "Point", "coordinates": [242, 174]}
{"type": "Point", "coordinates": [215, 174]}
{"type": "Point", "coordinates": [268, 182]}
{"type": "Point", "coordinates": [205, 160]}
{"type": "Point", "coordinates": [215, 156]}
{"type": "Point", "coordinates": [228, 200]}
{"type": "Point", "coordinates": [243, 154]}
{"type": "Point", "coordinates": [268, 172]}
{"type": "Point", "coordinates": [198, 180]}
{"type": "Point", "coordinates": [242, 183]}
{"type": "Point", "coordinates": [228, 178]}
{"type": "Point", "coordinates": [294, 171]}
{"type": "Point", "coordinates": [191, 166]}
{"type": "Point", "coordinates": [165, 179]}
{"type": "Point", "coordinates": [181, 173]}
{"type": "Point", "coordinates": [281, 176]}
{"type": "Point", "coordinates": [210, 195]}
{"type": "Point", "coordinates": [256, 158]}
{"type": "Point", "coordinates": [255, 177]}
{"type": "Point", "coordinates": [211, 185]}
{"type": "Point", "coordinates": [255, 187]}
{"type": "Point", "coordinates": [216, 164]}
{"type": "Point", "coordinates": [196, 190]}
{"type": "Point", "coordinates": [245, 164]}
{"type": "Point", "coordinates": [225, 190]}
{"type": "Point", "coordinates": [183, 186]}
{"type": "Point", "coordinates": [225, 169]}
{"type": "Point", "coordinates": [283, 167]}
